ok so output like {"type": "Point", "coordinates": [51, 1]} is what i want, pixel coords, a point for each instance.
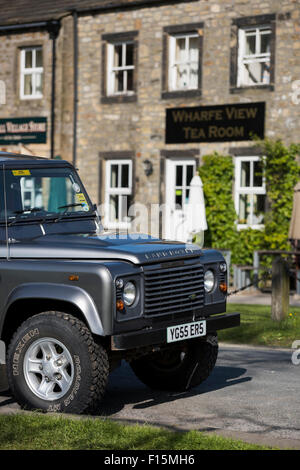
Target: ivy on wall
{"type": "Point", "coordinates": [281, 172]}
{"type": "Point", "coordinates": [216, 174]}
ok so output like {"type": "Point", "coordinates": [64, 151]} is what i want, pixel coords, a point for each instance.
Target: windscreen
{"type": "Point", "coordinates": [44, 192]}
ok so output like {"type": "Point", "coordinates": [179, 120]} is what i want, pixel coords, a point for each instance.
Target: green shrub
{"type": "Point", "coordinates": [217, 176]}
{"type": "Point", "coordinates": [281, 172]}
{"type": "Point", "coordinates": [249, 240]}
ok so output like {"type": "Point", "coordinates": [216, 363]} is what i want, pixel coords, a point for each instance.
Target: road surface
{"type": "Point", "coordinates": [252, 394]}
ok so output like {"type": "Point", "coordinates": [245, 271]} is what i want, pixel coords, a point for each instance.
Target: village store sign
{"type": "Point", "coordinates": [26, 130]}
{"type": "Point", "coordinates": [222, 123]}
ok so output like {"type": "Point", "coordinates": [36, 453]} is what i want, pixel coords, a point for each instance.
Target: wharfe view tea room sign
{"type": "Point", "coordinates": [27, 130]}
{"type": "Point", "coordinates": [222, 123]}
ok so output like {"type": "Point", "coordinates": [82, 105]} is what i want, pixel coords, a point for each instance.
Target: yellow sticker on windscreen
{"type": "Point", "coordinates": [21, 172]}
{"type": "Point", "coordinates": [80, 197]}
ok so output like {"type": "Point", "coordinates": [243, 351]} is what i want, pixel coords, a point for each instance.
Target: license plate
{"type": "Point", "coordinates": [186, 331]}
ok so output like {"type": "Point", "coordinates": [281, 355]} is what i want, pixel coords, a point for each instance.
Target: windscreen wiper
{"type": "Point", "coordinates": [70, 205]}
{"type": "Point", "coordinates": [67, 206]}
{"type": "Point", "coordinates": [34, 209]}
{"type": "Point", "coordinates": [21, 212]}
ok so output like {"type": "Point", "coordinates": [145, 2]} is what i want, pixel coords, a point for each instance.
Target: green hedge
{"type": "Point", "coordinates": [281, 172]}
{"type": "Point", "coordinates": [217, 176]}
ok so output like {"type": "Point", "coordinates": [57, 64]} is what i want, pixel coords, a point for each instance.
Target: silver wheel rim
{"type": "Point", "coordinates": [48, 369]}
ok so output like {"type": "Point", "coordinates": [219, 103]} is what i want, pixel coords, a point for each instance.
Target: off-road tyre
{"type": "Point", "coordinates": [179, 368]}
{"type": "Point", "coordinates": [85, 363]}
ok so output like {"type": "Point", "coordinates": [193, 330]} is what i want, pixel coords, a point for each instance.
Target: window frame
{"type": "Point", "coordinates": [32, 71]}
{"type": "Point", "coordinates": [109, 41]}
{"type": "Point", "coordinates": [243, 58]}
{"type": "Point", "coordinates": [112, 70]}
{"type": "Point", "coordinates": [173, 63]}
{"type": "Point", "coordinates": [170, 33]}
{"type": "Point", "coordinates": [117, 191]}
{"type": "Point", "coordinates": [252, 190]}
{"type": "Point", "coordinates": [244, 23]}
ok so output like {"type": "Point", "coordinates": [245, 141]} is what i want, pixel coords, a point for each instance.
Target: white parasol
{"type": "Point", "coordinates": [195, 210]}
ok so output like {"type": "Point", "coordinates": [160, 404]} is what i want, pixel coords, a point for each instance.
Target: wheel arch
{"type": "Point", "coordinates": [33, 298]}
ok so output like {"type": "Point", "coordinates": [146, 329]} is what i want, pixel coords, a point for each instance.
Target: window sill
{"type": "Point", "coordinates": [166, 95]}
{"type": "Point", "coordinates": [241, 89]}
{"type": "Point", "coordinates": [253, 227]}
{"type": "Point", "coordinates": [119, 99]}
{"type": "Point", "coordinates": [31, 98]}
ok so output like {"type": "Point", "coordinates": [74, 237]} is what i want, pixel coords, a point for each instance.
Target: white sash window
{"type": "Point", "coordinates": [32, 71]}
{"type": "Point", "coordinates": [254, 56]}
{"type": "Point", "coordinates": [250, 192]}
{"type": "Point", "coordinates": [183, 61]}
{"type": "Point", "coordinates": [118, 193]}
{"type": "Point", "coordinates": [120, 68]}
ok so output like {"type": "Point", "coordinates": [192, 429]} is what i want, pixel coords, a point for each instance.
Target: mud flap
{"type": "Point", "coordinates": [3, 376]}
{"type": "Point", "coordinates": [2, 352]}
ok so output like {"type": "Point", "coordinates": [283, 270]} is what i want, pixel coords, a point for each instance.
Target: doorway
{"type": "Point", "coordinates": [179, 173]}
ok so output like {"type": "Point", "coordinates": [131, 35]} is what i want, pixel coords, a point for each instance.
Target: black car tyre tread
{"type": "Point", "coordinates": [196, 366]}
{"type": "Point", "coordinates": [90, 375]}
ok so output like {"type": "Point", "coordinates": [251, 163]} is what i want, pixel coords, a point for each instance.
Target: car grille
{"type": "Point", "coordinates": [222, 277]}
{"type": "Point", "coordinates": [174, 289]}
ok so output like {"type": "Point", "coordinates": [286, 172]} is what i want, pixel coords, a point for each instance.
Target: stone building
{"type": "Point", "coordinates": [136, 92]}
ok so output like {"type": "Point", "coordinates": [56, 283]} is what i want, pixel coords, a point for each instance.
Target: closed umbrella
{"type": "Point", "coordinates": [294, 231]}
{"type": "Point", "coordinates": [195, 212]}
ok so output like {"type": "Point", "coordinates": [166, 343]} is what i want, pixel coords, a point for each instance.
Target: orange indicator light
{"type": "Point", "coordinates": [120, 305]}
{"type": "Point", "coordinates": [223, 287]}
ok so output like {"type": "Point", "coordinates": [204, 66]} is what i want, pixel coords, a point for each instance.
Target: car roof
{"type": "Point", "coordinates": [16, 158]}
{"type": "Point", "coordinates": [9, 156]}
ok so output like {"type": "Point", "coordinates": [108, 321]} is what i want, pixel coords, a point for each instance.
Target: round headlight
{"type": "Point", "coordinates": [209, 281]}
{"type": "Point", "coordinates": [129, 293]}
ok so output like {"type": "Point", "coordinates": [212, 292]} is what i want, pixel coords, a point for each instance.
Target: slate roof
{"type": "Point", "coordinates": [27, 11]}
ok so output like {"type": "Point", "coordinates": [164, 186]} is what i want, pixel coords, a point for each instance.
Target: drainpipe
{"type": "Point", "coordinates": [53, 29]}
{"type": "Point", "coordinates": [75, 79]}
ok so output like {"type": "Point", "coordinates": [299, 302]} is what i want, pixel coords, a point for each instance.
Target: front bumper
{"type": "Point", "coordinates": [157, 336]}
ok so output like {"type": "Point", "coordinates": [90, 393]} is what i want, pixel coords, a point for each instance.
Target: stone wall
{"type": "Point", "coordinates": [140, 126]}
{"type": "Point", "coordinates": [14, 107]}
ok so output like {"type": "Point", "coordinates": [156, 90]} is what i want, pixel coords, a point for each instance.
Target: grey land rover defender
{"type": "Point", "coordinates": [75, 301]}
